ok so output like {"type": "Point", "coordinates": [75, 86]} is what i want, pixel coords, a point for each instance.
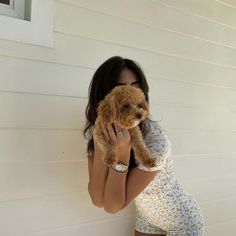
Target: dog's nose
{"type": "Point", "coordinates": [138, 115]}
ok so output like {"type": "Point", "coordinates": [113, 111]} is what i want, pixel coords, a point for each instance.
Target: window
{"type": "Point", "coordinates": [5, 2]}
{"type": "Point", "coordinates": [16, 8]}
{"type": "Point", "coordinates": [28, 21]}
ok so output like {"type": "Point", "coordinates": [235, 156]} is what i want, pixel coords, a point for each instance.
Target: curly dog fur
{"type": "Point", "coordinates": [127, 106]}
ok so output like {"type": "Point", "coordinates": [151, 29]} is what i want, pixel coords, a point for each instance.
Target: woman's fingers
{"type": "Point", "coordinates": [121, 132]}
{"type": "Point", "coordinates": [104, 129]}
{"type": "Point", "coordinates": [118, 129]}
{"type": "Point", "coordinates": [111, 133]}
{"type": "Point", "coordinates": [126, 133]}
{"type": "Point", "coordinates": [115, 134]}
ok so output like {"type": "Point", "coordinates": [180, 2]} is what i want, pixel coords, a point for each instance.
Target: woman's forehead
{"type": "Point", "coordinates": [127, 77]}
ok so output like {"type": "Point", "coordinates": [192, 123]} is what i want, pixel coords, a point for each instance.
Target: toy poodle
{"type": "Point", "coordinates": [126, 105]}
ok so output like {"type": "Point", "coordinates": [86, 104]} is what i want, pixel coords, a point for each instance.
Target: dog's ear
{"type": "Point", "coordinates": [145, 105]}
{"type": "Point", "coordinates": [107, 109]}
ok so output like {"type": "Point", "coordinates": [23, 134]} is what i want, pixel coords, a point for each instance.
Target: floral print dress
{"type": "Point", "coordinates": [164, 207]}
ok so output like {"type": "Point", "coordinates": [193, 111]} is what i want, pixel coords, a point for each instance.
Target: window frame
{"type": "Point", "coordinates": [37, 31]}
{"type": "Point", "coordinates": [15, 9]}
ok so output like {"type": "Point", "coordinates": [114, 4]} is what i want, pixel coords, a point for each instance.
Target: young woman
{"type": "Point", "coordinates": [163, 207]}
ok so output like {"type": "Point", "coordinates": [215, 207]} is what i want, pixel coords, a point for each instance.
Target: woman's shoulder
{"type": "Point", "coordinates": [153, 132]}
{"type": "Point", "coordinates": [157, 142]}
{"type": "Point", "coordinates": [149, 125]}
{"type": "Point", "coordinates": [89, 133]}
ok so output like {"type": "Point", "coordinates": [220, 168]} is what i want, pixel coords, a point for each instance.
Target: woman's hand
{"type": "Point", "coordinates": [120, 138]}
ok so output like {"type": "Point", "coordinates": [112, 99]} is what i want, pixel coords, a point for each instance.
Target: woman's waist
{"type": "Point", "coordinates": [161, 186]}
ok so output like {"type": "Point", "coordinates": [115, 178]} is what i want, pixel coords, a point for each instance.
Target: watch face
{"type": "Point", "coordinates": [120, 167]}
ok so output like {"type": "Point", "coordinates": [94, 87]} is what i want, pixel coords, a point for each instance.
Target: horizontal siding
{"type": "Point", "coordinates": [41, 111]}
{"type": "Point", "coordinates": [205, 190]}
{"type": "Point", "coordinates": [215, 11]}
{"type": "Point", "coordinates": [219, 165]}
{"type": "Point", "coordinates": [44, 78]}
{"type": "Point", "coordinates": [169, 91]}
{"type": "Point", "coordinates": [43, 179]}
{"type": "Point", "coordinates": [120, 226]}
{"type": "Point", "coordinates": [168, 114]}
{"type": "Point", "coordinates": [31, 215]}
{"type": "Point", "coordinates": [186, 50]}
{"type": "Point", "coordinates": [227, 227]}
{"type": "Point", "coordinates": [71, 20]}
{"type": "Point", "coordinates": [38, 111]}
{"type": "Point", "coordinates": [52, 178]}
{"type": "Point", "coordinates": [154, 64]}
{"type": "Point", "coordinates": [74, 81]}
{"type": "Point", "coordinates": [202, 142]}
{"type": "Point", "coordinates": [164, 16]}
{"type": "Point", "coordinates": [37, 145]}
{"type": "Point", "coordinates": [219, 211]}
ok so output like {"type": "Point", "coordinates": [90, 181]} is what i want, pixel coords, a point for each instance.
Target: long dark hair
{"type": "Point", "coordinates": [103, 81]}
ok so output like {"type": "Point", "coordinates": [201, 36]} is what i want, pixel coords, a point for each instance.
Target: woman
{"type": "Point", "coordinates": [162, 205]}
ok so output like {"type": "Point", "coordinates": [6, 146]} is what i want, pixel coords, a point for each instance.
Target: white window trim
{"type": "Point", "coordinates": [38, 31]}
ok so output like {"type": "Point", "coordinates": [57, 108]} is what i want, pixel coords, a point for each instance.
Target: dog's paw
{"type": "Point", "coordinates": [150, 162]}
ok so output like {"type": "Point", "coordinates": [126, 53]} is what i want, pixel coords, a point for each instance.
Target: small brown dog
{"type": "Point", "coordinates": [127, 106]}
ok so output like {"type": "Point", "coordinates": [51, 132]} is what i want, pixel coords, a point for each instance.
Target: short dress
{"type": "Point", "coordinates": [164, 207]}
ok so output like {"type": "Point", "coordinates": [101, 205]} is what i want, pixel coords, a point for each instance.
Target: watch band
{"type": "Point", "coordinates": [120, 167]}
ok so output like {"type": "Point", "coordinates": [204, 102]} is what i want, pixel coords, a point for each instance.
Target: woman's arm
{"type": "Point", "coordinates": [107, 187]}
{"type": "Point", "coordinates": [115, 187]}
{"type": "Point", "coordinates": [98, 176]}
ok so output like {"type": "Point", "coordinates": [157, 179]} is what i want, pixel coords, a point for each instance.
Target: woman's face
{"type": "Point", "coordinates": [127, 77]}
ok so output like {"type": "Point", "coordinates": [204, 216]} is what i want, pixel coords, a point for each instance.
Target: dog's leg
{"type": "Point", "coordinates": [141, 152]}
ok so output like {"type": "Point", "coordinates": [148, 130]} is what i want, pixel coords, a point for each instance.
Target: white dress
{"type": "Point", "coordinates": [164, 206]}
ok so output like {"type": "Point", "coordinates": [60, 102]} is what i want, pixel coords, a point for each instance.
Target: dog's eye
{"type": "Point", "coordinates": [140, 106]}
{"type": "Point", "coordinates": [126, 106]}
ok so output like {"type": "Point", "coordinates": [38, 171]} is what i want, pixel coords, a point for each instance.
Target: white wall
{"type": "Point", "coordinates": [187, 50]}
